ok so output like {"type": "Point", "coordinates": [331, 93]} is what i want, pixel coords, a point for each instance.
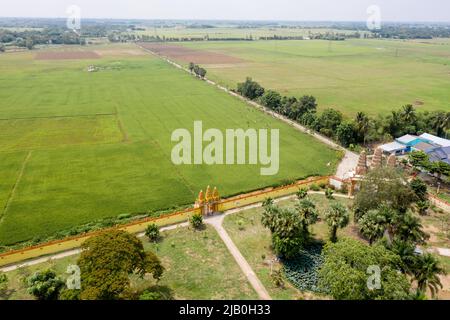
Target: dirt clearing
{"type": "Point", "coordinates": [190, 55]}
{"type": "Point", "coordinates": [66, 55]}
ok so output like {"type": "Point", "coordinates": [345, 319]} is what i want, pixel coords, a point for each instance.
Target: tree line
{"type": "Point", "coordinates": [197, 70]}
{"type": "Point", "coordinates": [362, 129]}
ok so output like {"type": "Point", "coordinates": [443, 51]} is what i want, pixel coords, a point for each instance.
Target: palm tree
{"type": "Point", "coordinates": [440, 122]}
{"type": "Point", "coordinates": [363, 124]}
{"type": "Point", "coordinates": [405, 250]}
{"type": "Point", "coordinates": [372, 225]}
{"type": "Point", "coordinates": [409, 228]}
{"type": "Point", "coordinates": [307, 212]}
{"type": "Point", "coordinates": [426, 272]}
{"type": "Point", "coordinates": [409, 114]}
{"type": "Point", "coordinates": [337, 217]}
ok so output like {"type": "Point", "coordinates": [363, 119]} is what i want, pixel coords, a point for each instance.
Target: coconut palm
{"type": "Point", "coordinates": [440, 122]}
{"type": "Point", "coordinates": [408, 228]}
{"type": "Point", "coordinates": [426, 272]}
{"type": "Point", "coordinates": [408, 114]}
{"type": "Point", "coordinates": [363, 125]}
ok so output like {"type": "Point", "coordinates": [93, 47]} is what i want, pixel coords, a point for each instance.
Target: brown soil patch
{"type": "Point", "coordinates": [66, 55]}
{"type": "Point", "coordinates": [444, 294]}
{"type": "Point", "coordinates": [121, 52]}
{"type": "Point", "coordinates": [432, 231]}
{"type": "Point", "coordinates": [419, 103]}
{"type": "Point", "coordinates": [189, 55]}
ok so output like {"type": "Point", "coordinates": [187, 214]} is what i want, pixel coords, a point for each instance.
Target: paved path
{"type": "Point", "coordinates": [216, 222]}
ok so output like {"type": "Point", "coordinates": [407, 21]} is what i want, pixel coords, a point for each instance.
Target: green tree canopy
{"type": "Point", "coordinates": [337, 217]}
{"type": "Point", "coordinates": [107, 261]}
{"type": "Point", "coordinates": [45, 285]}
{"type": "Point", "coordinates": [383, 187]}
{"type": "Point", "coordinates": [287, 227]}
{"type": "Point", "coordinates": [250, 89]}
{"type": "Point", "coordinates": [345, 272]}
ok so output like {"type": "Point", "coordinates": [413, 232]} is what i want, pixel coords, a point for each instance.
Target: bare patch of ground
{"type": "Point", "coordinates": [66, 55]}
{"type": "Point", "coordinates": [190, 55]}
{"type": "Point", "coordinates": [120, 52]}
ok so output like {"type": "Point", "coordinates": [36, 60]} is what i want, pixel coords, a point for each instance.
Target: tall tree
{"type": "Point", "coordinates": [344, 273]}
{"type": "Point", "coordinates": [287, 229]}
{"type": "Point", "coordinates": [107, 261]}
{"type": "Point", "coordinates": [362, 122]}
{"type": "Point", "coordinates": [426, 272]}
{"type": "Point", "coordinates": [307, 212]}
{"type": "Point", "coordinates": [372, 225]}
{"type": "Point", "coordinates": [337, 217]}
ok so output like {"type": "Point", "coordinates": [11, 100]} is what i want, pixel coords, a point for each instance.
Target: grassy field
{"type": "Point", "coordinates": [198, 266]}
{"type": "Point", "coordinates": [254, 242]}
{"type": "Point", "coordinates": [375, 76]}
{"type": "Point", "coordinates": [77, 146]}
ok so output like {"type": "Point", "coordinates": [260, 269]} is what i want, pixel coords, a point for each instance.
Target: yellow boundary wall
{"type": "Point", "coordinates": [57, 246]}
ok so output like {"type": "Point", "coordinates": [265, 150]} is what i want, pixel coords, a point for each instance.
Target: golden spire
{"type": "Point", "coordinates": [201, 198]}
{"type": "Point", "coordinates": [216, 195]}
{"type": "Point", "coordinates": [208, 194]}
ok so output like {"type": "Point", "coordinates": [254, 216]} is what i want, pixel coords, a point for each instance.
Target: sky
{"type": "Point", "coordinates": [295, 10]}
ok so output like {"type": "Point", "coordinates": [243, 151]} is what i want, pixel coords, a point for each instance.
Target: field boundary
{"type": "Point", "coordinates": [60, 117]}
{"type": "Point", "coordinates": [16, 183]}
{"type": "Point", "coordinates": [139, 226]}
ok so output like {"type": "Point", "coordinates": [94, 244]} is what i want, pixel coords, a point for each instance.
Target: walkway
{"type": "Point", "coordinates": [216, 222]}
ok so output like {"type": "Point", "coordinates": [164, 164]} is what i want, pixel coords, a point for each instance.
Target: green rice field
{"type": "Point", "coordinates": [374, 76]}
{"type": "Point", "coordinates": [78, 146]}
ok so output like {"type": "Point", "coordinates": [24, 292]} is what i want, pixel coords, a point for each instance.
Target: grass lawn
{"type": "Point", "coordinates": [374, 76]}
{"type": "Point", "coordinates": [198, 266]}
{"type": "Point", "coordinates": [77, 146]}
{"type": "Point", "coordinates": [254, 242]}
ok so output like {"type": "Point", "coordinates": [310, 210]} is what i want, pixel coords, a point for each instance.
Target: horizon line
{"type": "Point", "coordinates": [224, 20]}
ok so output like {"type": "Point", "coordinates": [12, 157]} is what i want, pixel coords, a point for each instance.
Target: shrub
{"type": "Point", "coordinates": [197, 221]}
{"type": "Point", "coordinates": [323, 185]}
{"type": "Point", "coordinates": [3, 283]}
{"type": "Point", "coordinates": [329, 193]}
{"type": "Point", "coordinates": [423, 206]}
{"type": "Point", "coordinates": [314, 187]}
{"type": "Point", "coordinates": [45, 285]}
{"type": "Point", "coordinates": [240, 224]}
{"type": "Point", "coordinates": [302, 194]}
{"type": "Point", "coordinates": [277, 278]}
{"type": "Point", "coordinates": [70, 295]}
{"type": "Point", "coordinates": [152, 232]}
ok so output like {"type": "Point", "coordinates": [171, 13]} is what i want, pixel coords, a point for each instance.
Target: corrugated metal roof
{"type": "Point", "coordinates": [393, 146]}
{"type": "Point", "coordinates": [439, 141]}
{"type": "Point", "coordinates": [407, 139]}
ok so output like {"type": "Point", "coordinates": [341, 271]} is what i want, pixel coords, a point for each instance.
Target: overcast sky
{"type": "Point", "coordinates": [299, 10]}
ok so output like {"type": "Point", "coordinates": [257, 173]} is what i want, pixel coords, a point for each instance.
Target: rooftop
{"type": "Point", "coordinates": [439, 141]}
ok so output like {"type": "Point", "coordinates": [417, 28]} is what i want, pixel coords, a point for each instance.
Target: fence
{"type": "Point", "coordinates": [70, 243]}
